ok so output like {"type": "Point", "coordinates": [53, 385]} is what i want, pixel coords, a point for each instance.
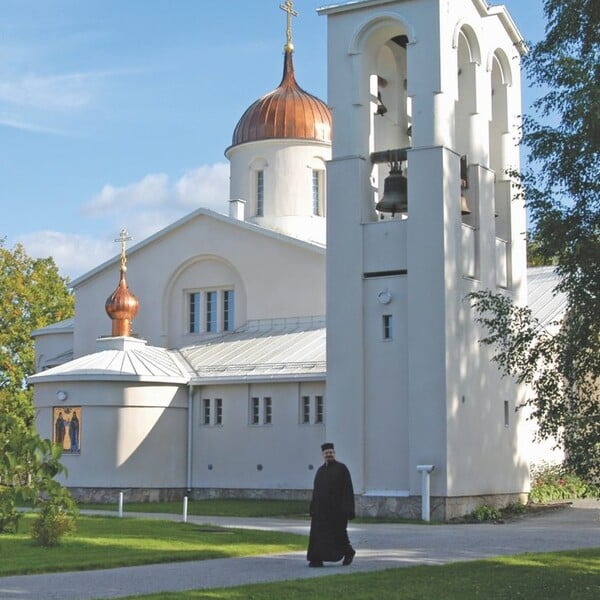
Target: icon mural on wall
{"type": "Point", "coordinates": [67, 428]}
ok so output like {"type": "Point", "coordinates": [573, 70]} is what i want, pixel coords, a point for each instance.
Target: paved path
{"type": "Point", "coordinates": [379, 546]}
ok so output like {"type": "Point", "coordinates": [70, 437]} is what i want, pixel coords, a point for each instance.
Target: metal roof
{"type": "Point", "coordinates": [131, 360]}
{"type": "Point", "coordinates": [547, 305]}
{"type": "Point", "coordinates": [282, 349]}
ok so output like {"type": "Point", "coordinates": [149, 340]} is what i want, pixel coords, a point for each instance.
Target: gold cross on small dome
{"type": "Point", "coordinates": [288, 7]}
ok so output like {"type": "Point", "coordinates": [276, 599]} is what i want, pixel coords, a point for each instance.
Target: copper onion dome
{"type": "Point", "coordinates": [286, 112]}
{"type": "Point", "coordinates": [122, 305]}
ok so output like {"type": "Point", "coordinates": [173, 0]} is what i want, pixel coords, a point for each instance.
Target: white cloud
{"type": "Point", "coordinates": [52, 93]}
{"type": "Point", "coordinates": [73, 254]}
{"type": "Point", "coordinates": [143, 208]}
{"type": "Point", "coordinates": [206, 186]}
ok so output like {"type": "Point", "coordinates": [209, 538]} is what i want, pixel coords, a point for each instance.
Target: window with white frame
{"type": "Point", "coordinates": [228, 313]}
{"type": "Point", "coordinates": [305, 418]}
{"type": "Point", "coordinates": [255, 411]}
{"type": "Point", "coordinates": [218, 411]}
{"type": "Point", "coordinates": [312, 410]}
{"type": "Point", "coordinates": [317, 192]}
{"type": "Point", "coordinates": [387, 327]}
{"type": "Point", "coordinates": [194, 312]}
{"type": "Point", "coordinates": [319, 409]}
{"type": "Point", "coordinates": [211, 412]}
{"type": "Point", "coordinates": [205, 411]}
{"type": "Point", "coordinates": [260, 193]}
{"type": "Point", "coordinates": [210, 311]}
{"type": "Point", "coordinates": [261, 412]}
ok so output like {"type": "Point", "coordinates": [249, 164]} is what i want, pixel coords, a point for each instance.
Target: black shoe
{"type": "Point", "coordinates": [315, 563]}
{"type": "Point", "coordinates": [349, 557]}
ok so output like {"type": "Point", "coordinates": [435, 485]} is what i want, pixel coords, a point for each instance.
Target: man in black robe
{"type": "Point", "coordinates": [331, 507]}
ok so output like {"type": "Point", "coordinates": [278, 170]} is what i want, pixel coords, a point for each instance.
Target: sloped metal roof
{"type": "Point", "coordinates": [546, 305]}
{"type": "Point", "coordinates": [285, 349]}
{"type": "Point", "coordinates": [66, 326]}
{"type": "Point", "coordinates": [130, 362]}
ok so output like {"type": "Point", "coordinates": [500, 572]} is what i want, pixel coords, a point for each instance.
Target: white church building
{"type": "Point", "coordinates": [330, 304]}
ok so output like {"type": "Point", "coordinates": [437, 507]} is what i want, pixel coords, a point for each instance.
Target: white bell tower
{"type": "Point", "coordinates": [431, 90]}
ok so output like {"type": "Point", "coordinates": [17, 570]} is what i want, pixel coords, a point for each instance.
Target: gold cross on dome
{"type": "Point", "coordinates": [288, 7]}
{"type": "Point", "coordinates": [124, 237]}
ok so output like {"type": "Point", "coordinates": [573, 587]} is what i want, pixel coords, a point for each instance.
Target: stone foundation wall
{"type": "Point", "coordinates": [410, 507]}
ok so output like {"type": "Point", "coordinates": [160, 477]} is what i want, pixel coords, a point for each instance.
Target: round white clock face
{"type": "Point", "coordinates": [385, 297]}
{"type": "Point", "coordinates": [61, 395]}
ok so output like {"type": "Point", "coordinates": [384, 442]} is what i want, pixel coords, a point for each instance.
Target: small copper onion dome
{"type": "Point", "coordinates": [121, 306]}
{"type": "Point", "coordinates": [286, 112]}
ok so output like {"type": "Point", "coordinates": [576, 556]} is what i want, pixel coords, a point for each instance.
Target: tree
{"type": "Point", "coordinates": [562, 191]}
{"type": "Point", "coordinates": [32, 295]}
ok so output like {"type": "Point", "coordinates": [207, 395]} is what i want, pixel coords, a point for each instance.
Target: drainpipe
{"type": "Point", "coordinates": [190, 429]}
{"type": "Point", "coordinates": [425, 471]}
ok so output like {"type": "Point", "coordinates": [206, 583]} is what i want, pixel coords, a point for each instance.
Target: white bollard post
{"type": "Point", "coordinates": [185, 503]}
{"type": "Point", "coordinates": [425, 471]}
{"type": "Point", "coordinates": [120, 504]}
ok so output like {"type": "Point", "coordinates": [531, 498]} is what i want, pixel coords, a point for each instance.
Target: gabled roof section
{"type": "Point", "coordinates": [547, 306]}
{"type": "Point", "coordinates": [65, 326]}
{"type": "Point", "coordinates": [132, 361]}
{"type": "Point", "coordinates": [282, 350]}
{"type": "Point", "coordinates": [209, 214]}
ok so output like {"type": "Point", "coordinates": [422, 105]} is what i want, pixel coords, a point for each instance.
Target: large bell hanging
{"type": "Point", "coordinates": [395, 197]}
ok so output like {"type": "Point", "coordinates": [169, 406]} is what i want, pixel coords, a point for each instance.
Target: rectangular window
{"type": "Point", "coordinates": [218, 411]}
{"type": "Point", "coordinates": [211, 311]}
{"type": "Point", "coordinates": [194, 312]}
{"type": "Point", "coordinates": [260, 193]}
{"type": "Point", "coordinates": [305, 409]}
{"type": "Point", "coordinates": [316, 191]}
{"type": "Point", "coordinates": [506, 414]}
{"type": "Point", "coordinates": [228, 314]}
{"type": "Point", "coordinates": [267, 411]}
{"type": "Point", "coordinates": [255, 412]}
{"type": "Point", "coordinates": [206, 411]}
{"type": "Point", "coordinates": [319, 409]}
{"type": "Point", "coordinates": [387, 327]}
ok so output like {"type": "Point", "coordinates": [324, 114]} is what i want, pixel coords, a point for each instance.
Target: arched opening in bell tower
{"type": "Point", "coordinates": [500, 140]}
{"type": "Point", "coordinates": [384, 51]}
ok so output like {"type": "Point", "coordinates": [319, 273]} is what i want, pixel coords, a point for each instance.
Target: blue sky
{"type": "Point", "coordinates": [117, 113]}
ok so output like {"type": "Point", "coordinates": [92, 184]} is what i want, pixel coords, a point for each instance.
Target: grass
{"type": "Point", "coordinates": [222, 507]}
{"type": "Point", "coordinates": [107, 542]}
{"type": "Point", "coordinates": [552, 576]}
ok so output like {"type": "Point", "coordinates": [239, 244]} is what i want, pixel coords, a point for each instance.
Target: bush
{"type": "Point", "coordinates": [553, 482]}
{"type": "Point", "coordinates": [485, 513]}
{"type": "Point", "coordinates": [56, 518]}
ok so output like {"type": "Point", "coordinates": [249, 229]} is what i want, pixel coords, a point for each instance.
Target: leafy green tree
{"type": "Point", "coordinates": [32, 295]}
{"type": "Point", "coordinates": [562, 190]}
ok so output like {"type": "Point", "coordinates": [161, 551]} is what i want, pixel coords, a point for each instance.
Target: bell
{"type": "Point", "coordinates": [464, 206]}
{"type": "Point", "coordinates": [395, 197]}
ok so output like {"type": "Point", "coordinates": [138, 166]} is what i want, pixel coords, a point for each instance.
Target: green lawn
{"type": "Point", "coordinates": [106, 542]}
{"type": "Point", "coordinates": [573, 575]}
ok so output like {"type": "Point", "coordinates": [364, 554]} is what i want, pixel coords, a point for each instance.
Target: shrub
{"type": "Point", "coordinates": [56, 518]}
{"type": "Point", "coordinates": [553, 482]}
{"type": "Point", "coordinates": [485, 513]}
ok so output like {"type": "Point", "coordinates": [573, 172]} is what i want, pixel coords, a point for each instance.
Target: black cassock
{"type": "Point", "coordinates": [331, 506]}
